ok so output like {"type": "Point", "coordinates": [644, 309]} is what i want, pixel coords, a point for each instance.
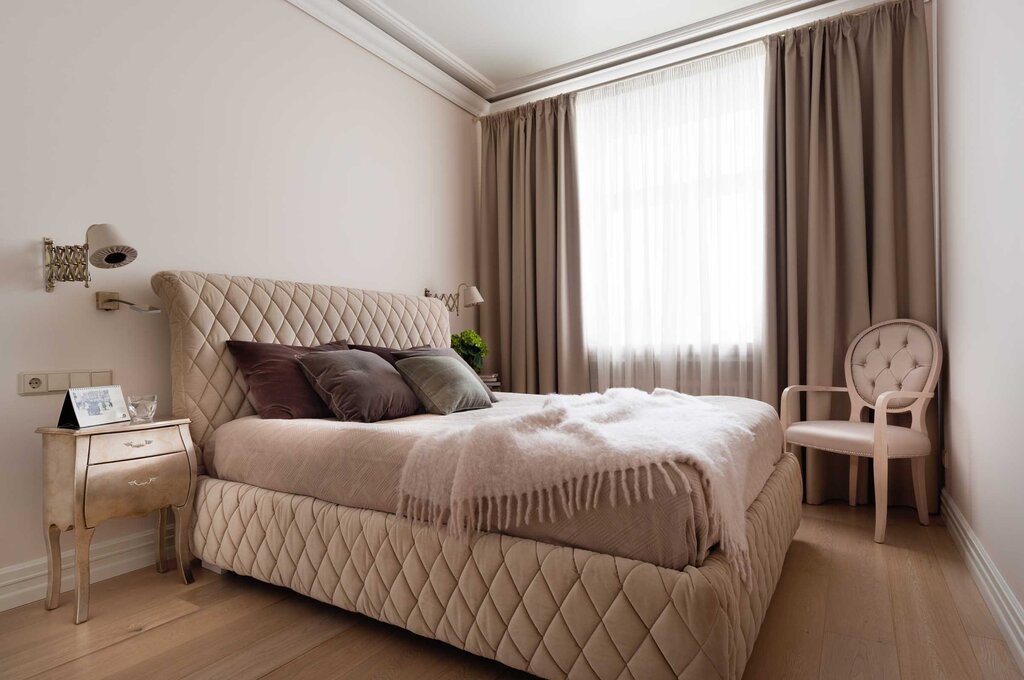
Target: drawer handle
{"type": "Point", "coordinates": [136, 445]}
{"type": "Point", "coordinates": [136, 482]}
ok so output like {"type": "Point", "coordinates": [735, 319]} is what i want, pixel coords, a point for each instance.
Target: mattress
{"type": "Point", "coordinates": [359, 465]}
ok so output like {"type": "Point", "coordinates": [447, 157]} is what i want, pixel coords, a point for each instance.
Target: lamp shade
{"type": "Point", "coordinates": [107, 249]}
{"type": "Point", "coordinates": [473, 297]}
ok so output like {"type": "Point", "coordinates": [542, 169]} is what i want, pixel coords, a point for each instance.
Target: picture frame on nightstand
{"type": "Point", "coordinates": [92, 406]}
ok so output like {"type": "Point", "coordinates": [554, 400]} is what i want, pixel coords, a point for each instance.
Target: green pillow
{"type": "Point", "coordinates": [444, 384]}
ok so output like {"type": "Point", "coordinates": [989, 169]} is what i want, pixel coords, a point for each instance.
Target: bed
{"type": "Point", "coordinates": [611, 594]}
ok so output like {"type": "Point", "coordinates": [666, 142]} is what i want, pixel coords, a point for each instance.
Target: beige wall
{"type": "Point", "coordinates": [982, 146]}
{"type": "Point", "coordinates": [238, 136]}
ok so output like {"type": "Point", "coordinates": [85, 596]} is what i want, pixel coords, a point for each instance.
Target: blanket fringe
{"type": "Point", "coordinates": [560, 500]}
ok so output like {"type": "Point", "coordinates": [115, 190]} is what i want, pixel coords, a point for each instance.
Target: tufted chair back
{"type": "Point", "coordinates": [900, 354]}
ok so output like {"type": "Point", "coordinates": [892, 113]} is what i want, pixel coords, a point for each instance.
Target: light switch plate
{"type": "Point", "coordinates": [56, 382]}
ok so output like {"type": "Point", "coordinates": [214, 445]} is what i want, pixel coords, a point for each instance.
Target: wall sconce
{"type": "Point", "coordinates": [473, 297]}
{"type": "Point", "coordinates": [111, 302]}
{"type": "Point", "coordinates": [103, 248]}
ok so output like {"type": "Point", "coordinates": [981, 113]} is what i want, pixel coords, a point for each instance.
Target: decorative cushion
{"type": "Point", "coordinates": [277, 386]}
{"type": "Point", "coordinates": [359, 386]}
{"type": "Point", "coordinates": [385, 353]}
{"type": "Point", "coordinates": [444, 384]}
{"type": "Point", "coordinates": [442, 352]}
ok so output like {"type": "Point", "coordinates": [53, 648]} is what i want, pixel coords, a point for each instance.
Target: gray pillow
{"type": "Point", "coordinates": [444, 384]}
{"type": "Point", "coordinates": [442, 352]}
{"type": "Point", "coordinates": [359, 386]}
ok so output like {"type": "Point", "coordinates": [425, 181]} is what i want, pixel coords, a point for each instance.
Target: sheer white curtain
{"type": "Point", "coordinates": [671, 172]}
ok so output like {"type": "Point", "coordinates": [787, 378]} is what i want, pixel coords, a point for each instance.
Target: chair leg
{"type": "Point", "coordinates": [917, 469]}
{"type": "Point", "coordinates": [881, 496]}
{"type": "Point", "coordinates": [854, 469]}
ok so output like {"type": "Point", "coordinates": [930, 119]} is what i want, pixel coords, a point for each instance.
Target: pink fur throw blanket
{"type": "Point", "coordinates": [575, 452]}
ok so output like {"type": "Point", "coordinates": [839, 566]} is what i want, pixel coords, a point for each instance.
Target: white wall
{"type": "Point", "coordinates": [238, 136]}
{"type": "Point", "coordinates": [982, 147]}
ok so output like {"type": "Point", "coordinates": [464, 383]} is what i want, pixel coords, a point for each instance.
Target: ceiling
{"type": "Point", "coordinates": [497, 48]}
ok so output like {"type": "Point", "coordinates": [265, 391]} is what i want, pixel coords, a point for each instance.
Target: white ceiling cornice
{"type": "Point", "coordinates": [384, 18]}
{"type": "Point", "coordinates": [373, 26]}
{"type": "Point", "coordinates": [348, 23]}
{"type": "Point", "coordinates": [723, 23]}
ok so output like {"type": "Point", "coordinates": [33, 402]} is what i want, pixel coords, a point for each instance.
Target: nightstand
{"type": "Point", "coordinates": [122, 470]}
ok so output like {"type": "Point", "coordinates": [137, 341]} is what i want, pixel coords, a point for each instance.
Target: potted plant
{"type": "Point", "coordinates": [471, 347]}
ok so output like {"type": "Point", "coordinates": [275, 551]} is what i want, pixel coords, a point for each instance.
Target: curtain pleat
{"type": "Point", "coordinates": [851, 238]}
{"type": "Point", "coordinates": [528, 248]}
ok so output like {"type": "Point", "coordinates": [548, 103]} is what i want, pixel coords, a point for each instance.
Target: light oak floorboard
{"type": "Point", "coordinates": [995, 659]}
{"type": "Point", "coordinates": [974, 613]}
{"type": "Point", "coordinates": [844, 608]}
{"type": "Point", "coordinates": [930, 637]}
{"type": "Point", "coordinates": [789, 646]}
{"type": "Point", "coordinates": [851, 658]}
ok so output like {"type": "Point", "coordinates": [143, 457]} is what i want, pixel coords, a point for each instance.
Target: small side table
{"type": "Point", "coordinates": [121, 470]}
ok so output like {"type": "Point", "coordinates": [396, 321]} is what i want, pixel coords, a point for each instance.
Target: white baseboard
{"type": "Point", "coordinates": [1005, 606]}
{"type": "Point", "coordinates": [26, 582]}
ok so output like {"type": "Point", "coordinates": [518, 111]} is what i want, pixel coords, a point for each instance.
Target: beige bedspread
{"type": "Point", "coordinates": [359, 465]}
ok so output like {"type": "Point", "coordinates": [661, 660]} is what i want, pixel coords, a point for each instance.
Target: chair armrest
{"type": "Point", "coordinates": [882, 416]}
{"type": "Point", "coordinates": [788, 408]}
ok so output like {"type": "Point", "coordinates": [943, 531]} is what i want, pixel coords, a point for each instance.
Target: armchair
{"type": "Point", "coordinates": [892, 367]}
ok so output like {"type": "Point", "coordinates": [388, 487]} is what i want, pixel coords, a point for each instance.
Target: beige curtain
{"type": "Point", "coordinates": [528, 243]}
{"type": "Point", "coordinates": [851, 232]}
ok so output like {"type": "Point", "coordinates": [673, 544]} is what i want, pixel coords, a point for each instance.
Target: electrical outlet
{"type": "Point", "coordinates": [58, 382]}
{"type": "Point", "coordinates": [32, 383]}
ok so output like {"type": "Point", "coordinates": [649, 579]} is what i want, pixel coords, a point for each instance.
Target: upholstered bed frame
{"type": "Point", "coordinates": [553, 611]}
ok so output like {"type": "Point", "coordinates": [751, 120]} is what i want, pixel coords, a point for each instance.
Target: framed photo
{"type": "Point", "coordinates": [89, 406]}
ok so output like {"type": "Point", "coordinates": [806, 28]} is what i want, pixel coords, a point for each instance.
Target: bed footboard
{"type": "Point", "coordinates": [552, 611]}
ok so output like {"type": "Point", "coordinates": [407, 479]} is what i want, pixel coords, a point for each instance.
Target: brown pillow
{"type": "Point", "coordinates": [359, 386]}
{"type": "Point", "coordinates": [277, 386]}
{"type": "Point", "coordinates": [385, 353]}
{"type": "Point", "coordinates": [441, 352]}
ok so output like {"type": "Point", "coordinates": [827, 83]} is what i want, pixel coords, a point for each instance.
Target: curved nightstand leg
{"type": "Point", "coordinates": [83, 537]}
{"type": "Point", "coordinates": [52, 536]}
{"type": "Point", "coordinates": [182, 526]}
{"type": "Point", "coordinates": [161, 547]}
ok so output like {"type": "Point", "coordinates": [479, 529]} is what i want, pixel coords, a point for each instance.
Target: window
{"type": "Point", "coordinates": [671, 170]}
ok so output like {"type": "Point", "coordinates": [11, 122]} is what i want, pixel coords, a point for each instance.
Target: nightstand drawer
{"type": "Point", "coordinates": [135, 487]}
{"type": "Point", "coordinates": [106, 448]}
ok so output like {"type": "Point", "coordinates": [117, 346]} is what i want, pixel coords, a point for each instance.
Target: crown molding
{"type": "Point", "coordinates": [800, 12]}
{"type": "Point", "coordinates": [345, 21]}
{"type": "Point", "coordinates": [384, 18]}
{"type": "Point", "coordinates": [730, 21]}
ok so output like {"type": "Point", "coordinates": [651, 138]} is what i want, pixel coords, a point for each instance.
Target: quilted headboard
{"type": "Point", "coordinates": [205, 310]}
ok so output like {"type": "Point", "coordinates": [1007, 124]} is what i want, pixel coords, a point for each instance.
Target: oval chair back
{"type": "Point", "coordinates": [899, 354]}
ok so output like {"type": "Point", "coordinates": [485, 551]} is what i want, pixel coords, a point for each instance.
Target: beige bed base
{"type": "Point", "coordinates": [552, 611]}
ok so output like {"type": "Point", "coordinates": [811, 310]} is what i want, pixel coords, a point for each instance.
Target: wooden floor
{"type": "Point", "coordinates": [844, 608]}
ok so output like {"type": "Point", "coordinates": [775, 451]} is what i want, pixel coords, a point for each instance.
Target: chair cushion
{"type": "Point", "coordinates": [843, 436]}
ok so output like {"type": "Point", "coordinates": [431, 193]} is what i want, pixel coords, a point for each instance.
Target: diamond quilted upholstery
{"type": "Point", "coordinates": [206, 310]}
{"type": "Point", "coordinates": [553, 611]}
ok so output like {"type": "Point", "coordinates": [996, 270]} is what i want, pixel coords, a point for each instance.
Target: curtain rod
{"type": "Point", "coordinates": [662, 60]}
